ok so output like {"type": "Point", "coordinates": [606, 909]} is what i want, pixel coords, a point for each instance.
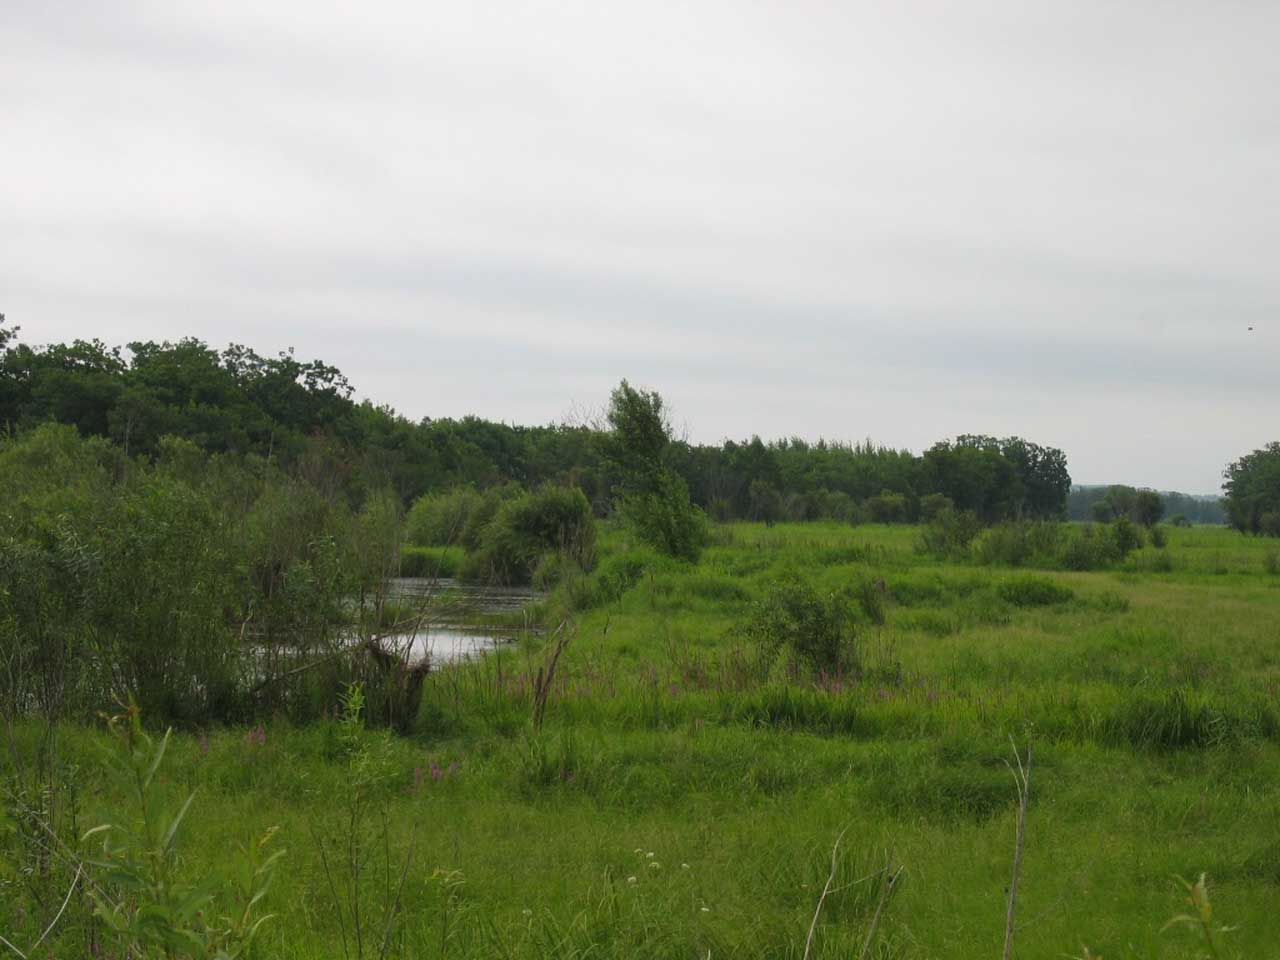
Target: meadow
{"type": "Point", "coordinates": [659, 787]}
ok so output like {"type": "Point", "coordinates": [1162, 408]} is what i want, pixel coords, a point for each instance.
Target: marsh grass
{"type": "Point", "coordinates": [1151, 697]}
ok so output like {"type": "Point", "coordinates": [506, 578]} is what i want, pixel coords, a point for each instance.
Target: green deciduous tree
{"type": "Point", "coordinates": [1252, 487]}
{"type": "Point", "coordinates": [1148, 508]}
{"type": "Point", "coordinates": [655, 499]}
{"type": "Point", "coordinates": [766, 502]}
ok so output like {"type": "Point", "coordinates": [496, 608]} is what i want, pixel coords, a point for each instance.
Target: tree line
{"type": "Point", "coordinates": [1104, 503]}
{"type": "Point", "coordinates": [302, 415]}
{"type": "Point", "coordinates": [191, 528]}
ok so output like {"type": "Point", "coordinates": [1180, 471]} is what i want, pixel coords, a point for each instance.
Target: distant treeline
{"type": "Point", "coordinates": [1105, 502]}
{"type": "Point", "coordinates": [301, 415]}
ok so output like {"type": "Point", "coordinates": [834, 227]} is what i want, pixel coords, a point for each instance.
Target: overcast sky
{"type": "Point", "coordinates": [897, 220]}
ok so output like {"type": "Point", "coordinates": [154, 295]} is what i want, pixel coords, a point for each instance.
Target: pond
{"type": "Point", "coordinates": [458, 620]}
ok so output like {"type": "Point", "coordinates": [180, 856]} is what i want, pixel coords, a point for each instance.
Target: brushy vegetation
{"type": "Point", "coordinates": [550, 521]}
{"type": "Point", "coordinates": [300, 416]}
{"type": "Point", "coordinates": [736, 716]}
{"type": "Point", "coordinates": [1034, 543]}
{"type": "Point", "coordinates": [764, 739]}
{"type": "Point", "coordinates": [801, 627]}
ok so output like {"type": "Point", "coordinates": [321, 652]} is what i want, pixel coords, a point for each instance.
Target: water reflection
{"type": "Point", "coordinates": [450, 629]}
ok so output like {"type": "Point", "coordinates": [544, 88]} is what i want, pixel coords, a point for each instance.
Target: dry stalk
{"type": "Point", "coordinates": [394, 907]}
{"type": "Point", "coordinates": [1022, 779]}
{"type": "Point", "coordinates": [826, 889]}
{"type": "Point", "coordinates": [546, 674]}
{"type": "Point", "coordinates": [52, 923]}
{"type": "Point", "coordinates": [890, 884]}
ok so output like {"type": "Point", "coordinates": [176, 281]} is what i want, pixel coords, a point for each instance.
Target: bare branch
{"type": "Point", "coordinates": [826, 889]}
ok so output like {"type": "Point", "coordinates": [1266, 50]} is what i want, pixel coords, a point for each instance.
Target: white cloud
{"type": "Point", "coordinates": [902, 220]}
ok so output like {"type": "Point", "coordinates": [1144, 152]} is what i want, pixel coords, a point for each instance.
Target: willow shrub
{"type": "Point", "coordinates": [808, 628]}
{"type": "Point", "coordinates": [666, 519]}
{"type": "Point", "coordinates": [549, 520]}
{"type": "Point", "coordinates": [440, 519]}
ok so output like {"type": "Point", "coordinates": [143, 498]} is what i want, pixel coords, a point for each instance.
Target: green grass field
{"type": "Point", "coordinates": [680, 802]}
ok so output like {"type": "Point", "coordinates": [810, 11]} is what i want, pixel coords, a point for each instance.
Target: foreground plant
{"type": "Point", "coordinates": [368, 911]}
{"type": "Point", "coordinates": [146, 906]}
{"type": "Point", "coordinates": [1200, 918]}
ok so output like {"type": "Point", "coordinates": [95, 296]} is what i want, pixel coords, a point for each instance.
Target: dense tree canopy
{"type": "Point", "coordinates": [1253, 491]}
{"type": "Point", "coordinates": [301, 414]}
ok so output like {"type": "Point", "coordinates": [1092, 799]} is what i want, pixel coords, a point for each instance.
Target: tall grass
{"type": "Point", "coordinates": [667, 730]}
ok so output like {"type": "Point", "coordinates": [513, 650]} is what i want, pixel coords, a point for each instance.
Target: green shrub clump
{"type": "Point", "coordinates": [666, 519]}
{"type": "Point", "coordinates": [950, 533]}
{"type": "Point", "coordinates": [1126, 535]}
{"type": "Point", "coordinates": [1019, 543]}
{"type": "Point", "coordinates": [1058, 546]}
{"type": "Point", "coordinates": [430, 561]}
{"type": "Point", "coordinates": [614, 577]}
{"type": "Point", "coordinates": [817, 629]}
{"type": "Point", "coordinates": [1033, 592]}
{"type": "Point", "coordinates": [438, 519]}
{"type": "Point", "coordinates": [456, 517]}
{"type": "Point", "coordinates": [549, 520]}
{"type": "Point", "coordinates": [888, 507]}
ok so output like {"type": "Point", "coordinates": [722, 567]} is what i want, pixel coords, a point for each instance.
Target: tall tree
{"type": "Point", "coordinates": [1252, 486]}
{"type": "Point", "coordinates": [655, 498]}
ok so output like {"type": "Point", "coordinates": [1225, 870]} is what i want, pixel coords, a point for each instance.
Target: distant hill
{"type": "Point", "coordinates": [1196, 507]}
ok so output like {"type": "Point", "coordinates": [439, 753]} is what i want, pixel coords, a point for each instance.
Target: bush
{"type": "Point", "coordinates": [666, 519]}
{"type": "Point", "coordinates": [1033, 592]}
{"type": "Point", "coordinates": [614, 577]}
{"type": "Point", "coordinates": [438, 520]}
{"type": "Point", "coordinates": [1020, 542]}
{"type": "Point", "coordinates": [833, 505]}
{"type": "Point", "coordinates": [456, 517]}
{"type": "Point", "coordinates": [1126, 535]}
{"type": "Point", "coordinates": [548, 520]}
{"type": "Point", "coordinates": [145, 907]}
{"type": "Point", "coordinates": [1159, 539]}
{"type": "Point", "coordinates": [887, 507]}
{"type": "Point", "coordinates": [1086, 550]}
{"type": "Point", "coordinates": [950, 533]}
{"type": "Point", "coordinates": [486, 510]}
{"type": "Point", "coordinates": [870, 594]}
{"type": "Point", "coordinates": [933, 504]}
{"type": "Point", "coordinates": [1157, 562]}
{"type": "Point", "coordinates": [1058, 546]}
{"type": "Point", "coordinates": [818, 629]}
{"type": "Point", "coordinates": [430, 561]}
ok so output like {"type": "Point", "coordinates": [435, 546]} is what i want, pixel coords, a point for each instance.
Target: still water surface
{"type": "Point", "coordinates": [453, 629]}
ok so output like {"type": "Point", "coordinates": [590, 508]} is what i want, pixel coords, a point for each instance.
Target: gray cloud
{"type": "Point", "coordinates": [896, 220]}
